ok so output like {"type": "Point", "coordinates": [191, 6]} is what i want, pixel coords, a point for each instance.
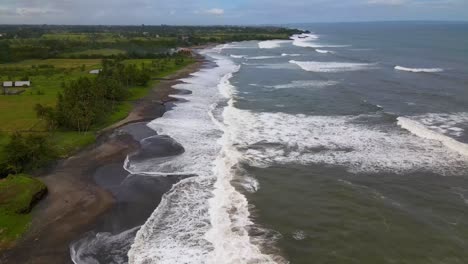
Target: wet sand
{"type": "Point", "coordinates": [82, 192]}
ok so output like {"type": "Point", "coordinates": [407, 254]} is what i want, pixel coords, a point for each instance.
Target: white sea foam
{"type": "Point", "coordinates": [229, 232]}
{"type": "Point", "coordinates": [304, 84]}
{"type": "Point", "coordinates": [203, 219]}
{"type": "Point", "coordinates": [418, 70]}
{"type": "Point", "coordinates": [309, 41]}
{"type": "Point", "coordinates": [230, 46]}
{"type": "Point", "coordinates": [323, 51]}
{"type": "Point", "coordinates": [316, 66]}
{"type": "Point", "coordinates": [450, 124]}
{"type": "Point", "coordinates": [299, 235]}
{"type": "Point", "coordinates": [263, 57]}
{"type": "Point", "coordinates": [237, 56]}
{"type": "Point", "coordinates": [272, 44]}
{"type": "Point", "coordinates": [250, 184]}
{"type": "Point", "coordinates": [117, 246]}
{"type": "Point", "coordinates": [291, 55]}
{"type": "Point", "coordinates": [279, 138]}
{"type": "Point", "coordinates": [422, 131]}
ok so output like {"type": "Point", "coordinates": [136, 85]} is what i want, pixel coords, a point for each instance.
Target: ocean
{"type": "Point", "coordinates": [347, 144]}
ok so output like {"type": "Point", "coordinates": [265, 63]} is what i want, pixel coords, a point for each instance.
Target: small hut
{"type": "Point", "coordinates": [23, 84]}
{"type": "Point", "coordinates": [7, 84]}
{"type": "Point", "coordinates": [97, 71]}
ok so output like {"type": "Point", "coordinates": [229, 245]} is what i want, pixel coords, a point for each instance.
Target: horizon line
{"type": "Point", "coordinates": [243, 25]}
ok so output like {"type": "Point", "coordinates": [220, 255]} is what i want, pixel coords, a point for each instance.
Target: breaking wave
{"type": "Point", "coordinates": [422, 131]}
{"type": "Point", "coordinates": [304, 84]}
{"type": "Point", "coordinates": [450, 124]}
{"type": "Point", "coordinates": [267, 139]}
{"type": "Point", "coordinates": [237, 56]}
{"type": "Point", "coordinates": [323, 51]}
{"type": "Point", "coordinates": [306, 40]}
{"type": "Point", "coordinates": [263, 57]}
{"type": "Point", "coordinates": [316, 66]}
{"type": "Point", "coordinates": [271, 44]}
{"type": "Point", "coordinates": [292, 55]}
{"type": "Point", "coordinates": [203, 219]}
{"type": "Point", "coordinates": [417, 70]}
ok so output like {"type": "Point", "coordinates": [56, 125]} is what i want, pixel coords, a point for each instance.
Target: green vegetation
{"type": "Point", "coordinates": [17, 196]}
{"type": "Point", "coordinates": [25, 153]}
{"type": "Point", "coordinates": [94, 53]}
{"type": "Point", "coordinates": [47, 41]}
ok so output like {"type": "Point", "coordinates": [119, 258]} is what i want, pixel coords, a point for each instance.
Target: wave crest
{"type": "Point", "coordinates": [417, 70]}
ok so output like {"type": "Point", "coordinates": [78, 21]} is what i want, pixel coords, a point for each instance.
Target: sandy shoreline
{"type": "Point", "coordinates": [75, 202]}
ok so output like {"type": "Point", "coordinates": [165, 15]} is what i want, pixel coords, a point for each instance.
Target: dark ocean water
{"type": "Point", "coordinates": [356, 161]}
{"type": "Point", "coordinates": [345, 145]}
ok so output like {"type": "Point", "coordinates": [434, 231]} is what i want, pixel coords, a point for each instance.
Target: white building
{"type": "Point", "coordinates": [95, 71]}
{"type": "Point", "coordinates": [7, 84]}
{"type": "Point", "coordinates": [22, 83]}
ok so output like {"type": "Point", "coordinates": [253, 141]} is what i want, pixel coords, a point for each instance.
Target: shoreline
{"type": "Point", "coordinates": [76, 202]}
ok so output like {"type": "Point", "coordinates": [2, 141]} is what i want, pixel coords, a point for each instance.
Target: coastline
{"type": "Point", "coordinates": [76, 201]}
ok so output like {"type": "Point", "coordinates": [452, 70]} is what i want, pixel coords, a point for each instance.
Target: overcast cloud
{"type": "Point", "coordinates": [226, 11]}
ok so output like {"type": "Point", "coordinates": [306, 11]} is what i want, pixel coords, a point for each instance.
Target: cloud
{"type": "Point", "coordinates": [215, 11]}
{"type": "Point", "coordinates": [182, 12]}
{"type": "Point", "coordinates": [33, 11]}
{"type": "Point", "coordinates": [387, 2]}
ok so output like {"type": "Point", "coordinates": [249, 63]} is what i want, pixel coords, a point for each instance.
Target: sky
{"type": "Point", "coordinates": [222, 12]}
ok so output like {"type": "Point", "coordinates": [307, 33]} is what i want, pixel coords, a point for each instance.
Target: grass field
{"type": "Point", "coordinates": [104, 52]}
{"type": "Point", "coordinates": [18, 110]}
{"type": "Point", "coordinates": [57, 63]}
{"type": "Point", "coordinates": [17, 195]}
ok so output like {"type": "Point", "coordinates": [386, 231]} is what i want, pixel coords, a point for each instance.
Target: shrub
{"type": "Point", "coordinates": [27, 152]}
